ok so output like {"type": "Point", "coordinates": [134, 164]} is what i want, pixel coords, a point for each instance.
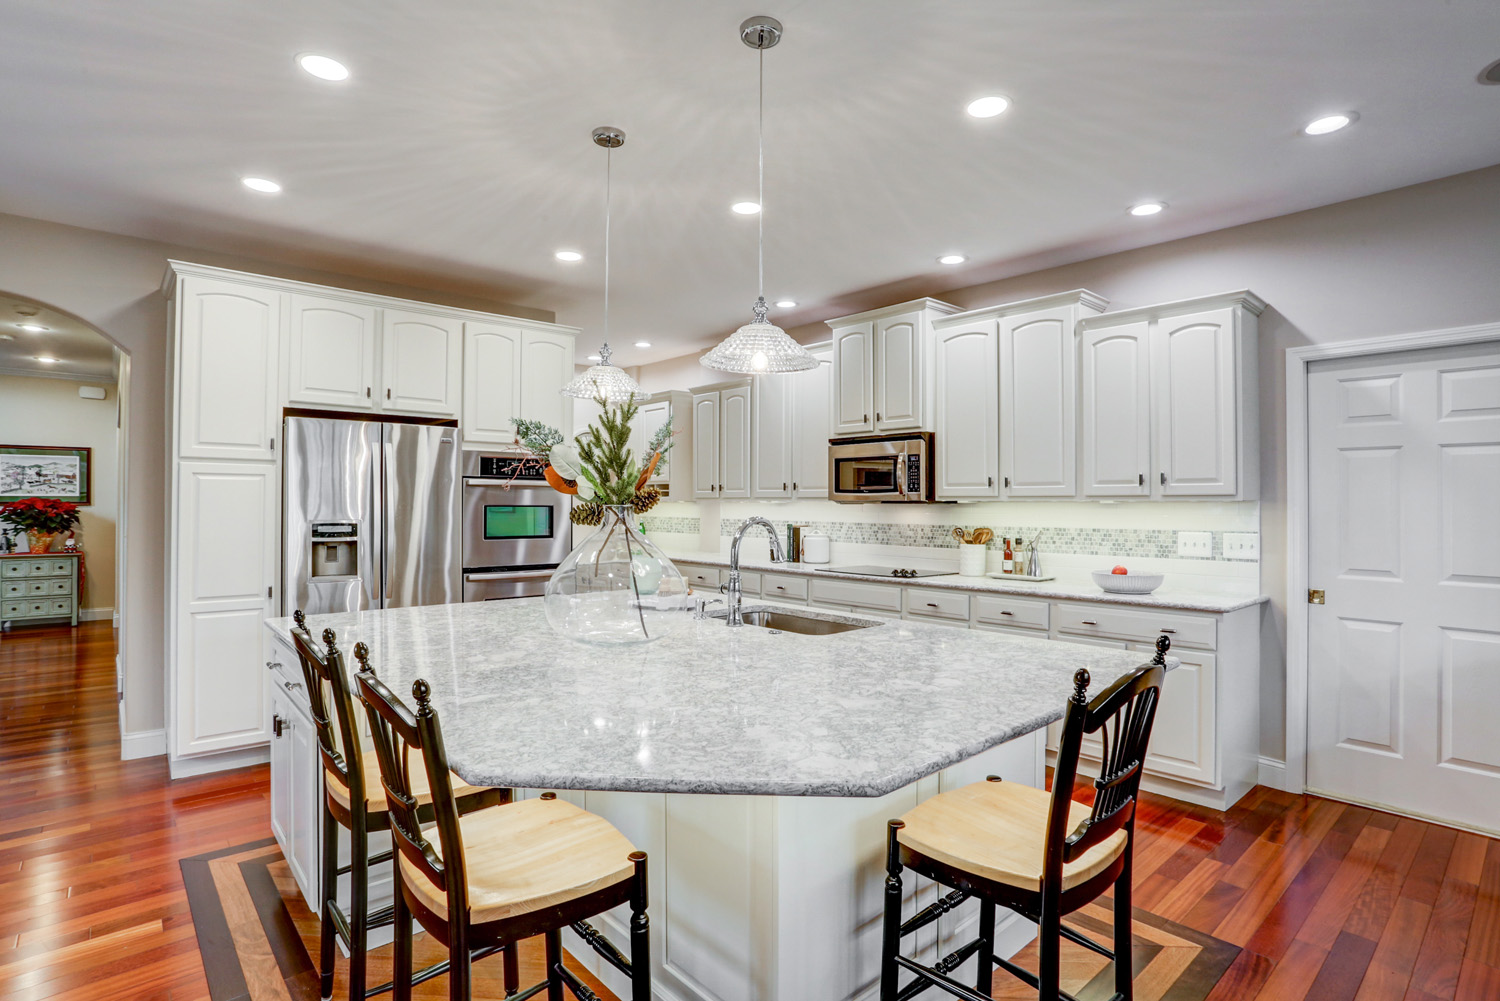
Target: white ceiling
{"type": "Point", "coordinates": [459, 153]}
{"type": "Point", "coordinates": [82, 353]}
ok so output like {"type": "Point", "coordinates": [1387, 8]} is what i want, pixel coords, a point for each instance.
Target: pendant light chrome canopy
{"type": "Point", "coordinates": [760, 347]}
{"type": "Point", "coordinates": [605, 380]}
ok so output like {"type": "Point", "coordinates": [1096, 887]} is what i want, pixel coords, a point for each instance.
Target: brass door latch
{"type": "Point", "coordinates": [1314, 596]}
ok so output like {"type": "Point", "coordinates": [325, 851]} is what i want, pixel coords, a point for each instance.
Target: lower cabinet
{"type": "Point", "coordinates": [296, 789]}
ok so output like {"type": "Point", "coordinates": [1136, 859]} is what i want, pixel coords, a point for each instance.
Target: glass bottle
{"type": "Point", "coordinates": [616, 586]}
{"type": "Point", "coordinates": [1008, 559]}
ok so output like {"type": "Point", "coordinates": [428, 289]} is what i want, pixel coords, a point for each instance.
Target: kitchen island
{"type": "Point", "coordinates": [756, 768]}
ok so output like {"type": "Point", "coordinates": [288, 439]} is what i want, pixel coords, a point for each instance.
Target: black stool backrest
{"type": "Point", "coordinates": [328, 685]}
{"type": "Point", "coordinates": [1124, 712]}
{"type": "Point", "coordinates": [397, 733]}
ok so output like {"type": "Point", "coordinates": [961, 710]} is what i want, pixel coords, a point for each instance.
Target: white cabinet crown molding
{"type": "Point", "coordinates": [936, 305]}
{"type": "Point", "coordinates": [1078, 297]}
{"type": "Point", "coordinates": [1244, 298]}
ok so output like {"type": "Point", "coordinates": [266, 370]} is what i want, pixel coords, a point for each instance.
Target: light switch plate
{"type": "Point", "coordinates": [1241, 545]}
{"type": "Point", "coordinates": [1199, 545]}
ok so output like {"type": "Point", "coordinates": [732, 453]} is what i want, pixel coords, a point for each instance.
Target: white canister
{"type": "Point", "coordinates": [971, 559]}
{"type": "Point", "coordinates": [815, 548]}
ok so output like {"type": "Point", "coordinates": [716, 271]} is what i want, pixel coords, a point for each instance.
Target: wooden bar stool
{"type": "Point", "coordinates": [1041, 855]}
{"type": "Point", "coordinates": [499, 875]}
{"type": "Point", "coordinates": [354, 799]}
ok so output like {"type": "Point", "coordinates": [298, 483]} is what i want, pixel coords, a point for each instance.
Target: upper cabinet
{"type": "Point", "coordinates": [706, 443]}
{"type": "Point", "coordinates": [422, 360]}
{"type": "Point", "coordinates": [789, 443]}
{"type": "Point", "coordinates": [492, 381]}
{"type": "Point", "coordinates": [1115, 386]}
{"type": "Point", "coordinates": [882, 368]}
{"type": "Point", "coordinates": [546, 367]}
{"type": "Point", "coordinates": [721, 441]}
{"type": "Point", "coordinates": [810, 425]}
{"type": "Point", "coordinates": [228, 337]}
{"type": "Point", "coordinates": [967, 389]}
{"type": "Point", "coordinates": [331, 353]}
{"type": "Point", "coordinates": [673, 474]}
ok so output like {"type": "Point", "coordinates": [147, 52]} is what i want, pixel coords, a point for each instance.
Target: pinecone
{"type": "Point", "coordinates": [587, 513]}
{"type": "Point", "coordinates": [645, 500]}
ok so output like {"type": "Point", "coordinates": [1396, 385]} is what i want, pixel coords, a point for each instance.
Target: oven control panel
{"type": "Point", "coordinates": [913, 473]}
{"type": "Point", "coordinates": [508, 467]}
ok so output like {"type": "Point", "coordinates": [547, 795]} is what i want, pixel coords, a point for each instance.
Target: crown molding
{"type": "Point", "coordinates": [1076, 297]}
{"type": "Point", "coordinates": [1243, 298]}
{"type": "Point", "coordinates": [935, 305]}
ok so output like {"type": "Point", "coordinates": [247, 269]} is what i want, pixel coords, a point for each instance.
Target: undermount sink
{"type": "Point", "coordinates": [782, 621]}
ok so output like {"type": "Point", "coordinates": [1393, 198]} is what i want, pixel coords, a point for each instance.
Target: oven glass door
{"type": "Point", "coordinates": [880, 475]}
{"type": "Point", "coordinates": [513, 526]}
{"type": "Point", "coordinates": [517, 521]}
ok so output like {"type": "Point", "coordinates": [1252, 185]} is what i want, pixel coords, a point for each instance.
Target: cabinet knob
{"type": "Point", "coordinates": [1141, 480]}
{"type": "Point", "coordinates": [1007, 483]}
{"type": "Point", "coordinates": [367, 392]}
{"type": "Point", "coordinates": [272, 665]}
{"type": "Point", "coordinates": [794, 484]}
{"type": "Point", "coordinates": [1172, 631]}
{"type": "Point", "coordinates": [989, 481]}
{"type": "Point", "coordinates": [387, 394]}
{"type": "Point", "coordinates": [1163, 479]}
{"type": "Point", "coordinates": [1007, 613]}
{"type": "Point", "coordinates": [1090, 622]}
{"type": "Point", "coordinates": [864, 419]}
{"type": "Point", "coordinates": [276, 725]}
{"type": "Point", "coordinates": [291, 685]}
{"type": "Point", "coordinates": [783, 487]}
{"type": "Point", "coordinates": [932, 604]}
{"type": "Point", "coordinates": [877, 415]}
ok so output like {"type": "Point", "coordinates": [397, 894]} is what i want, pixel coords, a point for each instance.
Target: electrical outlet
{"type": "Point", "coordinates": [1242, 545]}
{"type": "Point", "coordinates": [1198, 545]}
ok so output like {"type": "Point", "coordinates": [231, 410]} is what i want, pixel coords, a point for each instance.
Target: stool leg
{"type": "Point", "coordinates": [328, 879]}
{"type": "Point", "coordinates": [554, 960]}
{"type": "Point", "coordinates": [512, 970]}
{"type": "Point", "coordinates": [890, 943]}
{"type": "Point", "coordinates": [460, 965]}
{"type": "Point", "coordinates": [401, 958]}
{"type": "Point", "coordinates": [1124, 963]}
{"type": "Point", "coordinates": [985, 978]}
{"type": "Point", "coordinates": [359, 907]}
{"type": "Point", "coordinates": [640, 933]}
{"type": "Point", "coordinates": [1049, 950]}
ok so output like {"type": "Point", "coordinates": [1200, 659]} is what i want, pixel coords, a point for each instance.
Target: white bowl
{"type": "Point", "coordinates": [1128, 583]}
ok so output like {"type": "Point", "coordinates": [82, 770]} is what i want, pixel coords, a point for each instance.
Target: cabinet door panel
{"type": "Point", "coordinates": [649, 421]}
{"type": "Point", "coordinates": [1037, 400]}
{"type": "Point", "coordinates": [898, 373]}
{"type": "Point", "coordinates": [227, 377]}
{"type": "Point", "coordinates": [422, 359]}
{"type": "Point", "coordinates": [1195, 403]}
{"type": "Point", "coordinates": [771, 442]}
{"type": "Point", "coordinates": [1116, 438]}
{"type": "Point", "coordinates": [492, 381]}
{"type": "Point", "coordinates": [810, 430]}
{"type": "Point", "coordinates": [332, 346]}
{"type": "Point", "coordinates": [967, 429]}
{"type": "Point", "coordinates": [1184, 736]}
{"type": "Point", "coordinates": [706, 445]}
{"type": "Point", "coordinates": [546, 367]}
{"type": "Point", "coordinates": [853, 379]}
{"type": "Point", "coordinates": [734, 442]}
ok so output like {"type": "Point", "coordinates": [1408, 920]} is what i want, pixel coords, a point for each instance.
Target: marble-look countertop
{"type": "Point", "coordinates": [1162, 597]}
{"type": "Point", "coordinates": [710, 709]}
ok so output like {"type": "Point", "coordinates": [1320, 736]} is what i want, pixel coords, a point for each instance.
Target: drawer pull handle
{"type": "Point", "coordinates": [932, 604]}
{"type": "Point", "coordinates": [272, 665]}
{"type": "Point", "coordinates": [1007, 613]}
{"type": "Point", "coordinates": [1090, 622]}
{"type": "Point", "coordinates": [780, 587]}
{"type": "Point", "coordinates": [1172, 631]}
{"type": "Point", "coordinates": [289, 685]}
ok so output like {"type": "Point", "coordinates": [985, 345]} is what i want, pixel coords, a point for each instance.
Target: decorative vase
{"type": "Point", "coordinates": [40, 542]}
{"type": "Point", "coordinates": [971, 559]}
{"type": "Point", "coordinates": [616, 586]}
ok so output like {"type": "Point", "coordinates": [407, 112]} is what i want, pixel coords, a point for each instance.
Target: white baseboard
{"type": "Point", "coordinates": [142, 744]}
{"type": "Point", "coordinates": [95, 614]}
{"type": "Point", "coordinates": [116, 618]}
{"type": "Point", "coordinates": [1273, 773]}
{"type": "Point", "coordinates": [223, 761]}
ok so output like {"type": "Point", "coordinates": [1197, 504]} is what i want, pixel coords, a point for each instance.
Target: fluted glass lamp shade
{"type": "Point", "coordinates": [759, 348]}
{"type": "Point", "coordinates": [604, 379]}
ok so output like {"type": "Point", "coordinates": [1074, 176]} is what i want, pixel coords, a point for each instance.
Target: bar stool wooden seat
{"type": "Point", "coordinates": [484, 881]}
{"type": "Point", "coordinates": [1040, 854]}
{"type": "Point", "coordinates": [354, 799]}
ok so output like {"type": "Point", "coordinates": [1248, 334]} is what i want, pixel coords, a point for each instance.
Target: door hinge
{"type": "Point", "coordinates": [1314, 596]}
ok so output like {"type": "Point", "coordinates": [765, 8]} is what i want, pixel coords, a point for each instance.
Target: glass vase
{"type": "Point", "coordinates": [39, 541]}
{"type": "Point", "coordinates": [616, 586]}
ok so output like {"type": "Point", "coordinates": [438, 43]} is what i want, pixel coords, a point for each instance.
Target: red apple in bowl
{"type": "Point", "coordinates": [1119, 570]}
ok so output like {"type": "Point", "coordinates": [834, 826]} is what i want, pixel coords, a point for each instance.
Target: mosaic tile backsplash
{"type": "Point", "coordinates": [1121, 542]}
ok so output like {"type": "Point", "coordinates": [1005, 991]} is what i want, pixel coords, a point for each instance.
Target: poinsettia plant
{"type": "Point", "coordinates": [39, 514]}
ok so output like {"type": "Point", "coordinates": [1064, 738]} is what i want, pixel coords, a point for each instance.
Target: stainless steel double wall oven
{"type": "Point", "coordinates": [515, 527]}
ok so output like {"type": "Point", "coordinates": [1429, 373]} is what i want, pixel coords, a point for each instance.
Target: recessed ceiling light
{"type": "Point", "coordinates": [46, 359]}
{"type": "Point", "coordinates": [988, 107]}
{"type": "Point", "coordinates": [952, 259]}
{"type": "Point", "coordinates": [785, 303]}
{"type": "Point", "coordinates": [264, 185]}
{"type": "Point", "coordinates": [323, 67]}
{"type": "Point", "coordinates": [1328, 123]}
{"type": "Point", "coordinates": [568, 255]}
{"type": "Point", "coordinates": [31, 328]}
{"type": "Point", "coordinates": [1491, 73]}
{"type": "Point", "coordinates": [1147, 208]}
{"type": "Point", "coordinates": [643, 344]}
{"type": "Point", "coordinates": [746, 208]}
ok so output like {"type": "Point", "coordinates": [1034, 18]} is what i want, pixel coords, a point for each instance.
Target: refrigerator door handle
{"type": "Point", "coordinates": [377, 515]}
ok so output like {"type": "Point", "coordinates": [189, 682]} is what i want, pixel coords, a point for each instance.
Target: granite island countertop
{"type": "Point", "coordinates": [710, 709]}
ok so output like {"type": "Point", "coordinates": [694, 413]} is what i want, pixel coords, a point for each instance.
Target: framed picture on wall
{"type": "Point", "coordinates": [43, 471]}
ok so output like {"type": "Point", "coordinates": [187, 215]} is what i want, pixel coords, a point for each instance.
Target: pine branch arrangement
{"type": "Point", "coordinates": [539, 439]}
{"type": "Point", "coordinates": [608, 463]}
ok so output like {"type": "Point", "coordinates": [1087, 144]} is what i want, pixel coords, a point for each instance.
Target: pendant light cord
{"type": "Point", "coordinates": [760, 141]}
{"type": "Point", "coordinates": [608, 162]}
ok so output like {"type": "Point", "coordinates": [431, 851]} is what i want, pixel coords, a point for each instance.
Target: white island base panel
{"type": "Point", "coordinates": [779, 898]}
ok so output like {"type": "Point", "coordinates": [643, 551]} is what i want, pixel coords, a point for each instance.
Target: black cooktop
{"type": "Point", "coordinates": [873, 571]}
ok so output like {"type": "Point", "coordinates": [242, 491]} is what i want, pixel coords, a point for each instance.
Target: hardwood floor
{"type": "Point", "coordinates": [1326, 901]}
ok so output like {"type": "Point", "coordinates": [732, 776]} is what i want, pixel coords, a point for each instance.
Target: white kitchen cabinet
{"type": "Point", "coordinates": [673, 475]}
{"type": "Point", "coordinates": [422, 363]}
{"type": "Point", "coordinates": [882, 359]}
{"type": "Point", "coordinates": [810, 426]}
{"type": "Point", "coordinates": [706, 444]}
{"type": "Point", "coordinates": [1038, 400]}
{"type": "Point", "coordinates": [546, 367]}
{"type": "Point", "coordinates": [492, 382]}
{"type": "Point", "coordinates": [734, 442]}
{"type": "Point", "coordinates": [228, 338]}
{"type": "Point", "coordinates": [331, 347]}
{"type": "Point", "coordinates": [967, 425]}
{"type": "Point", "coordinates": [296, 786]}
{"type": "Point", "coordinates": [1195, 363]}
{"type": "Point", "coordinates": [1183, 742]}
{"type": "Point", "coordinates": [789, 442]}
{"type": "Point", "coordinates": [1115, 385]}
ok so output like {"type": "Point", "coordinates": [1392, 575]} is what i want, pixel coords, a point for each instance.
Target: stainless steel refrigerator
{"type": "Point", "coordinates": [369, 515]}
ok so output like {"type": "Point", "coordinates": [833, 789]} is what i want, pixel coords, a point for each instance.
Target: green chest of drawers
{"type": "Point", "coordinates": [36, 588]}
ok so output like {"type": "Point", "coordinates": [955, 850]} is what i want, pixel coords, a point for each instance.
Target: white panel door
{"type": "Point", "coordinates": [1196, 409]}
{"type": "Point", "coordinates": [810, 429]}
{"type": "Point", "coordinates": [1404, 657]}
{"type": "Point", "coordinates": [546, 367]}
{"type": "Point", "coordinates": [647, 422]}
{"type": "Point", "coordinates": [853, 379]}
{"type": "Point", "coordinates": [1116, 385]}
{"type": "Point", "coordinates": [422, 358]}
{"type": "Point", "coordinates": [1037, 404]}
{"type": "Point", "coordinates": [332, 347]}
{"type": "Point", "coordinates": [771, 437]}
{"type": "Point", "coordinates": [225, 562]}
{"type": "Point", "coordinates": [227, 375]}
{"type": "Point", "coordinates": [734, 442]}
{"type": "Point", "coordinates": [706, 445]}
{"type": "Point", "coordinates": [967, 432]}
{"type": "Point", "coordinates": [492, 382]}
{"type": "Point", "coordinates": [898, 372]}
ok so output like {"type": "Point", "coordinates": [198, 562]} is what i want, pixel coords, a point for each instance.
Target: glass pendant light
{"type": "Point", "coordinates": [760, 347]}
{"type": "Point", "coordinates": [604, 379]}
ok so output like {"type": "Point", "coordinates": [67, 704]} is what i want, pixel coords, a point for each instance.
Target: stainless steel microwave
{"type": "Point", "coordinates": [888, 468]}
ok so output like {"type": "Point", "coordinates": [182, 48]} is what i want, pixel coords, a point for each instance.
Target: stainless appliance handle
{"type": "Point", "coordinates": [506, 575]}
{"type": "Point", "coordinates": [483, 481]}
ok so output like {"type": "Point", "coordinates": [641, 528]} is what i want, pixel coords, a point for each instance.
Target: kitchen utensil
{"type": "Point", "coordinates": [960, 535]}
{"type": "Point", "coordinates": [1128, 583]}
{"type": "Point", "coordinates": [982, 536]}
{"type": "Point", "coordinates": [816, 548]}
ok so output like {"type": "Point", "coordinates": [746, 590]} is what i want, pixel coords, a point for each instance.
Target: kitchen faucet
{"type": "Point", "coordinates": [732, 589]}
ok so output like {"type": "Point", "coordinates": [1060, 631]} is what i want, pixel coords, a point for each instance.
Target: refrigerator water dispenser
{"type": "Point", "coordinates": [335, 549]}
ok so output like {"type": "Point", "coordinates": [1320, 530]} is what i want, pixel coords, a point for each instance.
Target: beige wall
{"type": "Point", "coordinates": [113, 283]}
{"type": "Point", "coordinates": [50, 412]}
{"type": "Point", "coordinates": [1419, 258]}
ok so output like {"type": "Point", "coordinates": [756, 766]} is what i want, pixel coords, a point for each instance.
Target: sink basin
{"type": "Point", "coordinates": [807, 624]}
